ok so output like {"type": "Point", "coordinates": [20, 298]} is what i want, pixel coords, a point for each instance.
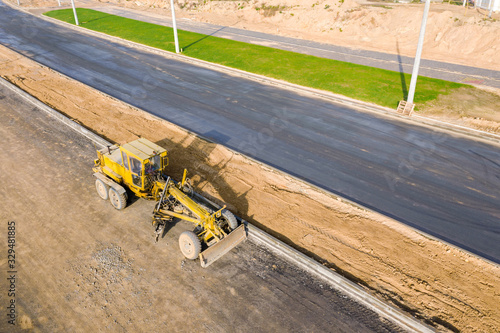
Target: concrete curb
{"type": "Point", "coordinates": [337, 281]}
{"type": "Point", "coordinates": [260, 237]}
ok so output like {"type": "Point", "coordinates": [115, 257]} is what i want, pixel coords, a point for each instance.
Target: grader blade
{"type": "Point", "coordinates": [222, 247]}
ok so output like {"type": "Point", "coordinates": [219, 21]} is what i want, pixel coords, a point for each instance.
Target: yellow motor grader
{"type": "Point", "coordinates": [139, 166]}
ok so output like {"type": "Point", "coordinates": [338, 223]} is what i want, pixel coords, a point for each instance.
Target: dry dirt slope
{"type": "Point", "coordinates": [440, 284]}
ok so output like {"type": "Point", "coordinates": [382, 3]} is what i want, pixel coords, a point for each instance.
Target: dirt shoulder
{"type": "Point", "coordinates": [477, 108]}
{"type": "Point", "coordinates": [443, 285]}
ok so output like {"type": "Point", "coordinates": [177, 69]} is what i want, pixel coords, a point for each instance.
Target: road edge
{"type": "Point", "coordinates": [258, 236]}
{"type": "Point", "coordinates": [339, 282]}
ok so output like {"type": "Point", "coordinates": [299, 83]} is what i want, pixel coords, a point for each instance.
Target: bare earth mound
{"type": "Point", "coordinates": [441, 284]}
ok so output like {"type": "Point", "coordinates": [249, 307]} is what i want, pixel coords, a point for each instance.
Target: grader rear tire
{"type": "Point", "coordinates": [190, 245]}
{"type": "Point", "coordinates": [102, 189]}
{"type": "Point", "coordinates": [118, 200]}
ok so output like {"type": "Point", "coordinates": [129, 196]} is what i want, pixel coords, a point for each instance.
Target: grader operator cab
{"type": "Point", "coordinates": [140, 167]}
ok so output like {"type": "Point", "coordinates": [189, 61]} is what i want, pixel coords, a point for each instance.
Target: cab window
{"type": "Point", "coordinates": [136, 170]}
{"type": "Point", "coordinates": [125, 160]}
{"type": "Point", "coordinates": [135, 165]}
{"type": "Point", "coordinates": [153, 164]}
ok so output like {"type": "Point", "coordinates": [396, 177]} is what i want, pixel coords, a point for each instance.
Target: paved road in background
{"type": "Point", "coordinates": [445, 185]}
{"type": "Point", "coordinates": [393, 62]}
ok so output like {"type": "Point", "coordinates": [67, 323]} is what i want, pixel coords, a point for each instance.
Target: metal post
{"type": "Point", "coordinates": [416, 65]}
{"type": "Point", "coordinates": [18, 3]}
{"type": "Point", "coordinates": [174, 26]}
{"type": "Point", "coordinates": [59, 2]}
{"type": "Point", "coordinates": [74, 12]}
{"type": "Point", "coordinates": [490, 8]}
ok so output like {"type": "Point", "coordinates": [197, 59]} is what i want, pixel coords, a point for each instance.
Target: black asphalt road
{"type": "Point", "coordinates": [445, 185]}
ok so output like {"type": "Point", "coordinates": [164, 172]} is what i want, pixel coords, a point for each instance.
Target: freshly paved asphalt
{"type": "Point", "coordinates": [393, 62]}
{"type": "Point", "coordinates": [445, 185]}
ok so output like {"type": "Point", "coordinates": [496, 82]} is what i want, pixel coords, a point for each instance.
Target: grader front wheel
{"type": "Point", "coordinates": [190, 245]}
{"type": "Point", "coordinates": [102, 189]}
{"type": "Point", "coordinates": [227, 217]}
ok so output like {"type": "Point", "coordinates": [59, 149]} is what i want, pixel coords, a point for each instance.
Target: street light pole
{"type": "Point", "coordinates": [416, 65]}
{"type": "Point", "coordinates": [174, 26]}
{"type": "Point", "coordinates": [74, 12]}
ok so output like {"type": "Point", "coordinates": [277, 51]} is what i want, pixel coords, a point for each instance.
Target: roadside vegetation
{"type": "Point", "coordinates": [382, 87]}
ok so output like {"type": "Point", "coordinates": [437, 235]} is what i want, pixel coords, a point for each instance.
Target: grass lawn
{"type": "Point", "coordinates": [364, 83]}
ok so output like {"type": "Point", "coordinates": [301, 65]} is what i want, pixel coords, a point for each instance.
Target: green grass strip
{"type": "Point", "coordinates": [363, 83]}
